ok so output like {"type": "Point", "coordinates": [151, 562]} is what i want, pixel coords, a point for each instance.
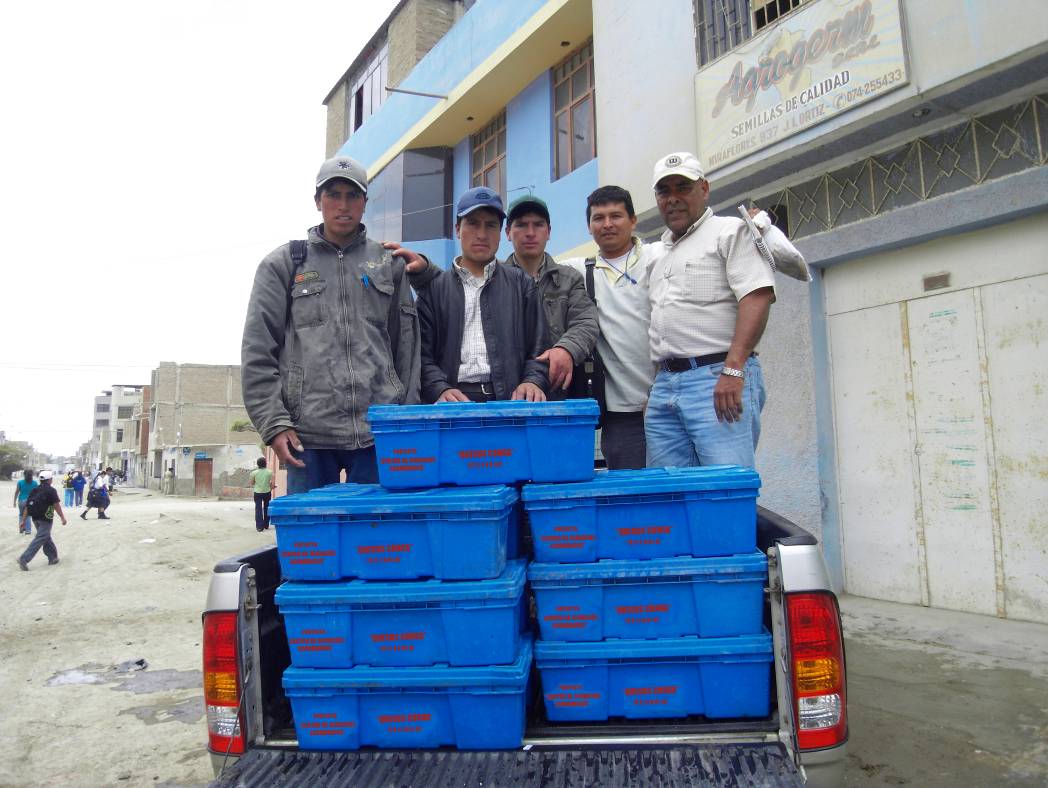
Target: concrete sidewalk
{"type": "Point", "coordinates": [938, 698]}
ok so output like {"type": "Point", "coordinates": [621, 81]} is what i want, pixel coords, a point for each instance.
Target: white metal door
{"type": "Point", "coordinates": [939, 412]}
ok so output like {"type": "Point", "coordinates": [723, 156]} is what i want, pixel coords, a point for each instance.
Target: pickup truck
{"type": "Point", "coordinates": [802, 742]}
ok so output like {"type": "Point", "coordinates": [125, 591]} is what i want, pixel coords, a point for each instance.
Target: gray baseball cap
{"type": "Point", "coordinates": [343, 167]}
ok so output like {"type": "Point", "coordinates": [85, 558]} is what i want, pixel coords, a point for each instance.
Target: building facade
{"type": "Point", "coordinates": [901, 144]}
{"type": "Point", "coordinates": [196, 413]}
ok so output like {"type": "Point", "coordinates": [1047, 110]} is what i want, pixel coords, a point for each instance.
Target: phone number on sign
{"type": "Point", "coordinates": [868, 88]}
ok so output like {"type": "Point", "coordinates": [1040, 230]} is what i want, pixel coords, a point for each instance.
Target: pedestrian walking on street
{"type": "Point", "coordinates": [262, 478]}
{"type": "Point", "coordinates": [41, 506]}
{"type": "Point", "coordinates": [25, 486]}
{"type": "Point", "coordinates": [98, 497]}
{"type": "Point", "coordinates": [67, 489]}
{"type": "Point", "coordinates": [79, 483]}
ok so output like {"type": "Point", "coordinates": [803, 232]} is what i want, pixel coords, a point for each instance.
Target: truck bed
{"type": "Point", "coordinates": [695, 751]}
{"type": "Point", "coordinates": [677, 765]}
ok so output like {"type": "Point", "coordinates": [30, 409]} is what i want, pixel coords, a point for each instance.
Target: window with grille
{"type": "Point", "coordinates": [124, 411]}
{"type": "Point", "coordinates": [767, 11]}
{"type": "Point", "coordinates": [721, 25]}
{"type": "Point", "coordinates": [574, 121]}
{"type": "Point", "coordinates": [119, 436]}
{"type": "Point", "coordinates": [489, 155]}
{"type": "Point", "coordinates": [101, 407]}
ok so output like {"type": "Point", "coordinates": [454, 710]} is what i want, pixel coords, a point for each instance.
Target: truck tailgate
{"type": "Point", "coordinates": [681, 765]}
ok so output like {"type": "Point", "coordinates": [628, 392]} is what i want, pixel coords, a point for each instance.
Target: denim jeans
{"type": "Point", "coordinates": [324, 465]}
{"type": "Point", "coordinates": [681, 425]}
{"type": "Point", "coordinates": [68, 496]}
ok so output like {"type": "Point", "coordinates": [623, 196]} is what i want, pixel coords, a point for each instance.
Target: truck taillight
{"type": "Point", "coordinates": [222, 683]}
{"type": "Point", "coordinates": [819, 687]}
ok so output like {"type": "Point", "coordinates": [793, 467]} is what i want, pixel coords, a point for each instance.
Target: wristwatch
{"type": "Point", "coordinates": [731, 372]}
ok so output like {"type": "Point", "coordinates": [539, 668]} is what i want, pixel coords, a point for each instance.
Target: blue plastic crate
{"type": "Point", "coordinates": [513, 533]}
{"type": "Point", "coordinates": [405, 623]}
{"type": "Point", "coordinates": [467, 443]}
{"type": "Point", "coordinates": [365, 531]}
{"type": "Point", "coordinates": [652, 513]}
{"type": "Point", "coordinates": [640, 679]}
{"type": "Point", "coordinates": [399, 708]}
{"type": "Point", "coordinates": [662, 598]}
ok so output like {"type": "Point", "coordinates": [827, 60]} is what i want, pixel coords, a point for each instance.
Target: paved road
{"type": "Point", "coordinates": [100, 664]}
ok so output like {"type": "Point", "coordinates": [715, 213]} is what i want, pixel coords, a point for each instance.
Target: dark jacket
{"type": "Point", "coordinates": [514, 331]}
{"type": "Point", "coordinates": [571, 315]}
{"type": "Point", "coordinates": [324, 340]}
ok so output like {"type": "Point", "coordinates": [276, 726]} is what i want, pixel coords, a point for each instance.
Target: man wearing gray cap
{"type": "Point", "coordinates": [331, 329]}
{"type": "Point", "coordinates": [710, 296]}
{"type": "Point", "coordinates": [482, 323]}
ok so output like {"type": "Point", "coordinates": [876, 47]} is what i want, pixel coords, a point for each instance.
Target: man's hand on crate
{"type": "Point", "coordinates": [452, 395]}
{"type": "Point", "coordinates": [530, 392]}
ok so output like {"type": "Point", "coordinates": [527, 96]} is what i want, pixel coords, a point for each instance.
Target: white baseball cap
{"type": "Point", "coordinates": [682, 163]}
{"type": "Point", "coordinates": [46, 475]}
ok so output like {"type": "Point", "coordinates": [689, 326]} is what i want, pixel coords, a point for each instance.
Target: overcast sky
{"type": "Point", "coordinates": [152, 154]}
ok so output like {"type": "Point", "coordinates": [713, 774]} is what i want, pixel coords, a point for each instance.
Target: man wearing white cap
{"type": "Point", "coordinates": [331, 329]}
{"type": "Point", "coordinates": [710, 297]}
{"type": "Point", "coordinates": [42, 505]}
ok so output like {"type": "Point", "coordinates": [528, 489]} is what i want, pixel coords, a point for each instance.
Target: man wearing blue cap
{"type": "Point", "coordinates": [482, 325]}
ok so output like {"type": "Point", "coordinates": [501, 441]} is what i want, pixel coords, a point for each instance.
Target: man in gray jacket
{"type": "Point", "coordinates": [331, 329]}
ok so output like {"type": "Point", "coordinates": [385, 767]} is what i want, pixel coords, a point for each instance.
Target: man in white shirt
{"type": "Point", "coordinates": [710, 294]}
{"type": "Point", "coordinates": [623, 312]}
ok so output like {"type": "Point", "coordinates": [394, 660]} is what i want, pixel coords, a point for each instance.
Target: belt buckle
{"type": "Point", "coordinates": [485, 390]}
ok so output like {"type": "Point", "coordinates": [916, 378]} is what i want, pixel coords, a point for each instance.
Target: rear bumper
{"type": "Point", "coordinates": [825, 768]}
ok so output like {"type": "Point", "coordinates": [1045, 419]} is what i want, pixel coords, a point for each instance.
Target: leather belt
{"type": "Point", "coordinates": [693, 362]}
{"type": "Point", "coordinates": [483, 387]}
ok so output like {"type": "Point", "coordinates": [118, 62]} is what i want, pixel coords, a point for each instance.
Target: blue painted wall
{"type": "Point", "coordinates": [529, 168]}
{"type": "Point", "coordinates": [465, 46]}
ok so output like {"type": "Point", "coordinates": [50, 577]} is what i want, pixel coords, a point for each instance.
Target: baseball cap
{"type": "Point", "coordinates": [683, 163]}
{"type": "Point", "coordinates": [343, 167]}
{"type": "Point", "coordinates": [479, 197]}
{"type": "Point", "coordinates": [528, 204]}
{"type": "Point", "coordinates": [46, 475]}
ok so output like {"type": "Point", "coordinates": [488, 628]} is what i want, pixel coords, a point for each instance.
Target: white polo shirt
{"type": "Point", "coordinates": [695, 287]}
{"type": "Point", "coordinates": [623, 310]}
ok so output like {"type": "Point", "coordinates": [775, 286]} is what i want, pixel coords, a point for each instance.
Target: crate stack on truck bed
{"type": "Point", "coordinates": [404, 603]}
{"type": "Point", "coordinates": [649, 592]}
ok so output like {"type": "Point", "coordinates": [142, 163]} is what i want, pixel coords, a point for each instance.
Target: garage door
{"type": "Point", "coordinates": [939, 358]}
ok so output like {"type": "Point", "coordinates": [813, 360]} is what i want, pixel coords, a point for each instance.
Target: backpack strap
{"type": "Point", "coordinates": [298, 253]}
{"type": "Point", "coordinates": [591, 263]}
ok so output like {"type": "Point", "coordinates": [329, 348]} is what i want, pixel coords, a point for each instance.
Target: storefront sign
{"type": "Point", "coordinates": [816, 63]}
{"type": "Point", "coordinates": [200, 455]}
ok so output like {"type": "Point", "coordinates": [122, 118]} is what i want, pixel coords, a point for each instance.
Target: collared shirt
{"type": "Point", "coordinates": [623, 310]}
{"type": "Point", "coordinates": [696, 286]}
{"type": "Point", "coordinates": [473, 359]}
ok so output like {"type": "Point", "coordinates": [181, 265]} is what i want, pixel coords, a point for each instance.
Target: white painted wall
{"type": "Point", "coordinates": [644, 72]}
{"type": "Point", "coordinates": [938, 398]}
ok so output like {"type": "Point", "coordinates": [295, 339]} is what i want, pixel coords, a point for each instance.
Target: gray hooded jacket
{"type": "Point", "coordinates": [325, 339]}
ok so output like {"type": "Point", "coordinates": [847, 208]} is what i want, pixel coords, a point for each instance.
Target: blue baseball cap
{"type": "Point", "coordinates": [479, 197]}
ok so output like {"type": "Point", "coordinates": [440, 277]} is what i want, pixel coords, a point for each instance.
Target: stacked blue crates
{"type": "Point", "coordinates": [649, 592]}
{"type": "Point", "coordinates": [404, 607]}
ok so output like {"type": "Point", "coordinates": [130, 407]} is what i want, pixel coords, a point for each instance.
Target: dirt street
{"type": "Point", "coordinates": [100, 663]}
{"type": "Point", "coordinates": [100, 654]}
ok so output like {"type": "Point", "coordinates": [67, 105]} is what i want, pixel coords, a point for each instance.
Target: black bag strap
{"type": "Point", "coordinates": [298, 255]}
{"type": "Point", "coordinates": [591, 262]}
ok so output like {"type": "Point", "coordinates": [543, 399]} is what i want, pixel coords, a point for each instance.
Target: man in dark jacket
{"type": "Point", "coordinates": [482, 323]}
{"type": "Point", "coordinates": [330, 330]}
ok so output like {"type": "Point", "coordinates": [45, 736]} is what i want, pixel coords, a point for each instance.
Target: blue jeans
{"type": "Point", "coordinates": [324, 465]}
{"type": "Point", "coordinates": [681, 425]}
{"type": "Point", "coordinates": [68, 500]}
